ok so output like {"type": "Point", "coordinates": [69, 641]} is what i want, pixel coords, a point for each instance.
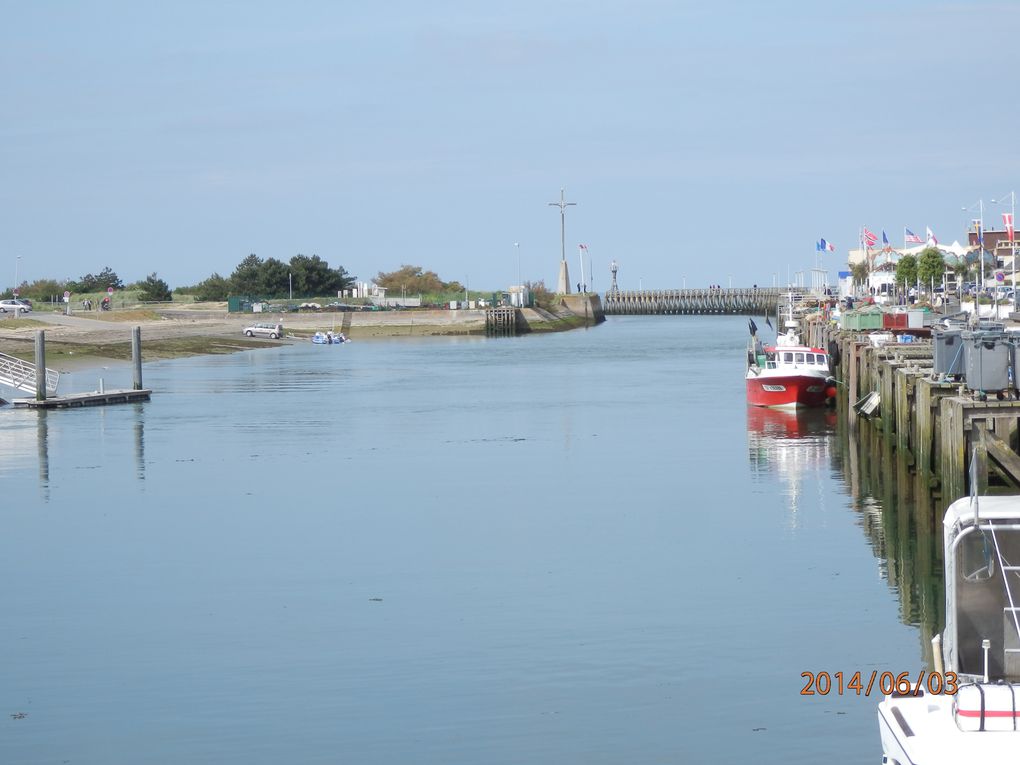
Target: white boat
{"type": "Point", "coordinates": [978, 655]}
{"type": "Point", "coordinates": [329, 338]}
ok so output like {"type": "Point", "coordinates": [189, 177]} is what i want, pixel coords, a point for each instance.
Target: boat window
{"type": "Point", "coordinates": [770, 364]}
{"type": "Point", "coordinates": [822, 359]}
{"type": "Point", "coordinates": [800, 358]}
{"type": "Point", "coordinates": [788, 358]}
{"type": "Point", "coordinates": [810, 358]}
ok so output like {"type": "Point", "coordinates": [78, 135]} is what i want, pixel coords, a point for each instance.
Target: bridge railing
{"type": "Point", "coordinates": [741, 300]}
{"type": "Point", "coordinates": [20, 374]}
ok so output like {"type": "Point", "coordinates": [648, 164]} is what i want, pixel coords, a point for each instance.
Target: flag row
{"type": "Point", "coordinates": [869, 238]}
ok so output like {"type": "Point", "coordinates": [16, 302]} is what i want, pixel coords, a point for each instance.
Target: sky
{"type": "Point", "coordinates": [709, 142]}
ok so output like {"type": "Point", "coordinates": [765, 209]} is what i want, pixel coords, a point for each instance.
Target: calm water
{"type": "Point", "coordinates": [572, 548]}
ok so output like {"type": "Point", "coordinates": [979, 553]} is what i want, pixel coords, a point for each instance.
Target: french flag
{"type": "Point", "coordinates": [824, 246]}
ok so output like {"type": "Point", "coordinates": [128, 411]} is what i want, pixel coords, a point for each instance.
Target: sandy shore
{"type": "Point", "coordinates": [84, 340]}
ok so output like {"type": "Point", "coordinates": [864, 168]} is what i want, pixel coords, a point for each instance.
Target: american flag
{"type": "Point", "coordinates": [869, 237]}
{"type": "Point", "coordinates": [910, 236]}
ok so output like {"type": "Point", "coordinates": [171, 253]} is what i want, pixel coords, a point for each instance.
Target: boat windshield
{"type": "Point", "coordinates": [987, 595]}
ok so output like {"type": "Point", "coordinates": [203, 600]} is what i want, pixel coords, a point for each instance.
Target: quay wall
{"type": "Point", "coordinates": [938, 425]}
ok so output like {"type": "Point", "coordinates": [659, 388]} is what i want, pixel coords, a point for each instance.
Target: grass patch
{"type": "Point", "coordinates": [135, 315]}
{"type": "Point", "coordinates": [168, 348]}
{"type": "Point", "coordinates": [21, 323]}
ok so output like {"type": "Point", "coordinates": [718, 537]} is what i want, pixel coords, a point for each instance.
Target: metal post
{"type": "Point", "coordinates": [136, 356]}
{"type": "Point", "coordinates": [517, 246]}
{"type": "Point", "coordinates": [40, 365]}
{"type": "Point", "coordinates": [580, 258]}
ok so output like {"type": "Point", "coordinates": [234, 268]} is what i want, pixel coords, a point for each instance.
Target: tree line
{"type": "Point", "coordinates": [302, 276]}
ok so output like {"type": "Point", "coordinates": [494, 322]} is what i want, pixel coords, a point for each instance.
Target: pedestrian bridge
{"type": "Point", "coordinates": [740, 300]}
{"type": "Point", "coordinates": [21, 375]}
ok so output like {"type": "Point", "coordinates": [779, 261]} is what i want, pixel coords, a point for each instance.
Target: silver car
{"type": "Point", "coordinates": [14, 305]}
{"type": "Point", "coordinates": [272, 331]}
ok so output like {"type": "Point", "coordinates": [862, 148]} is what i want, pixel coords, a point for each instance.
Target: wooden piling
{"type": "Point", "coordinates": [136, 357]}
{"type": "Point", "coordinates": [40, 365]}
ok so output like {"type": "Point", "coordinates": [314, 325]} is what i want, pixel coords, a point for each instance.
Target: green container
{"type": "Point", "coordinates": [865, 319]}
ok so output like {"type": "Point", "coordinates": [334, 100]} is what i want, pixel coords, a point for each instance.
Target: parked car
{"type": "Point", "coordinates": [272, 331]}
{"type": "Point", "coordinates": [13, 305]}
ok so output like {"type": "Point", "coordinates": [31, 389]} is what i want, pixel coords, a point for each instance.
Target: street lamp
{"type": "Point", "coordinates": [1012, 236]}
{"type": "Point", "coordinates": [980, 204]}
{"type": "Point", "coordinates": [17, 267]}
{"type": "Point", "coordinates": [517, 246]}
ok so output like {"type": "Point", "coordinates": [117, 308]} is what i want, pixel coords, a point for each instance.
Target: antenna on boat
{"type": "Point", "coordinates": [974, 482]}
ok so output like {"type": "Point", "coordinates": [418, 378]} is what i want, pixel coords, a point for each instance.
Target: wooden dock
{"type": "Point", "coordinates": [938, 424]}
{"type": "Point", "coordinates": [84, 399]}
{"type": "Point", "coordinates": [40, 379]}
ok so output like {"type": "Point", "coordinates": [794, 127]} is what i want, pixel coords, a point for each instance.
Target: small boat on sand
{"type": "Point", "coordinates": [329, 338]}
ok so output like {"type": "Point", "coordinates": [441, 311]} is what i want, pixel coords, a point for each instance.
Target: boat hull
{"type": "Point", "coordinates": [788, 391]}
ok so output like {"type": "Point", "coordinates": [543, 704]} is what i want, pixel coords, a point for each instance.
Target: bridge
{"type": "Point", "coordinates": [740, 300]}
{"type": "Point", "coordinates": [21, 375]}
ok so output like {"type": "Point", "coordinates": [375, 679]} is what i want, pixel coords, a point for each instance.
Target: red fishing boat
{"type": "Point", "coordinates": [788, 374]}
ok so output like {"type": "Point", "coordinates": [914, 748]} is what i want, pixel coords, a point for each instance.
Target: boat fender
{"type": "Point", "coordinates": [750, 358]}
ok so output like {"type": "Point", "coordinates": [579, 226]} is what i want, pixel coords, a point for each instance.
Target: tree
{"type": "Point", "coordinates": [859, 273]}
{"type": "Point", "coordinates": [906, 271]}
{"type": "Point", "coordinates": [246, 277]}
{"type": "Point", "coordinates": [542, 296]}
{"type": "Point", "coordinates": [97, 282]}
{"type": "Point", "coordinates": [274, 279]}
{"type": "Point", "coordinates": [213, 288]}
{"type": "Point", "coordinates": [154, 290]}
{"type": "Point", "coordinates": [931, 266]}
{"type": "Point", "coordinates": [312, 275]}
{"type": "Point", "coordinates": [412, 279]}
{"type": "Point", "coordinates": [961, 271]}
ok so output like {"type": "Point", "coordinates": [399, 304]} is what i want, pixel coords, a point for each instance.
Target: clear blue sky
{"type": "Point", "coordinates": [699, 140]}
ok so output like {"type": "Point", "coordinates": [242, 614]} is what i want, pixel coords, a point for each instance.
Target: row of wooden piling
{"type": "Point", "coordinates": [937, 423]}
{"type": "Point", "coordinates": [501, 321]}
{"type": "Point", "coordinates": [100, 397]}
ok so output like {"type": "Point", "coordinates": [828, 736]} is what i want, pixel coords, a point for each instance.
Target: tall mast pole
{"type": "Point", "coordinates": [1012, 240]}
{"type": "Point", "coordinates": [563, 205]}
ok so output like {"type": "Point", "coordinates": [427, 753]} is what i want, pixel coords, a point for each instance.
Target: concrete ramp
{"type": "Point", "coordinates": [21, 375]}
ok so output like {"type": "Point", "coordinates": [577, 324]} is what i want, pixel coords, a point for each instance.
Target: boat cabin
{"type": "Point", "coordinates": [775, 358]}
{"type": "Point", "coordinates": [982, 542]}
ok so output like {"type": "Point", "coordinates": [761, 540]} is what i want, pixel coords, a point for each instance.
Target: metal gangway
{"type": "Point", "coordinates": [21, 375]}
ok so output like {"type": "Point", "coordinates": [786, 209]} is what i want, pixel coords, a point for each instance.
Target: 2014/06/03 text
{"type": "Point", "coordinates": [888, 683]}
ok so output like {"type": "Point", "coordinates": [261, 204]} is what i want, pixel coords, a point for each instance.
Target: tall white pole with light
{"type": "Point", "coordinates": [520, 284]}
{"type": "Point", "coordinates": [980, 204]}
{"type": "Point", "coordinates": [17, 268]}
{"type": "Point", "coordinates": [1012, 235]}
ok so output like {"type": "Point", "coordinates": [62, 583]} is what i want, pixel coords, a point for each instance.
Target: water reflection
{"type": "Point", "coordinates": [106, 429]}
{"type": "Point", "coordinates": [43, 451]}
{"type": "Point", "coordinates": [900, 515]}
{"type": "Point", "coordinates": [793, 444]}
{"type": "Point", "coordinates": [902, 520]}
